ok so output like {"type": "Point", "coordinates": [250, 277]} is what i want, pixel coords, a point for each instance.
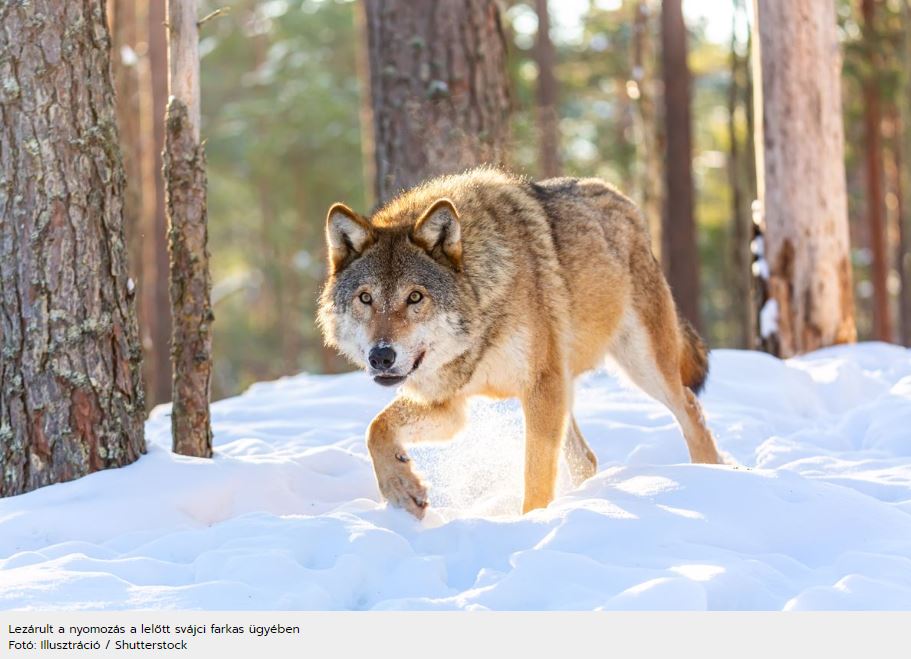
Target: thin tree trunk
{"type": "Point", "coordinates": [71, 397]}
{"type": "Point", "coordinates": [741, 219]}
{"type": "Point", "coordinates": [439, 88]}
{"type": "Point", "coordinates": [190, 283]}
{"type": "Point", "coordinates": [622, 127]}
{"type": "Point", "coordinates": [293, 313]}
{"type": "Point", "coordinates": [895, 206]}
{"type": "Point", "coordinates": [882, 323]}
{"type": "Point", "coordinates": [758, 284]}
{"type": "Point", "coordinates": [155, 310]}
{"type": "Point", "coordinates": [650, 175]}
{"type": "Point", "coordinates": [680, 254]}
{"type": "Point", "coordinates": [270, 300]}
{"type": "Point", "coordinates": [365, 111]}
{"type": "Point", "coordinates": [903, 261]}
{"type": "Point", "coordinates": [123, 26]}
{"type": "Point", "coordinates": [549, 161]}
{"type": "Point", "coordinates": [146, 284]}
{"type": "Point", "coordinates": [902, 258]}
{"type": "Point", "coordinates": [801, 176]}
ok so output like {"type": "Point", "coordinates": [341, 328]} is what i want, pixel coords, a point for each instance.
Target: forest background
{"type": "Point", "coordinates": [286, 121]}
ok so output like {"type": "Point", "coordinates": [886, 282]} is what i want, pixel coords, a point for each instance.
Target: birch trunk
{"type": "Point", "coordinates": [801, 176]}
{"type": "Point", "coordinates": [71, 396]}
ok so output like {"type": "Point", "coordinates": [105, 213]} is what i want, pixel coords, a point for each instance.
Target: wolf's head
{"type": "Point", "coordinates": [391, 303]}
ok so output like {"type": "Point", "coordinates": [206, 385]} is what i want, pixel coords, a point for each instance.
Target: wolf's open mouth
{"type": "Point", "coordinates": [392, 380]}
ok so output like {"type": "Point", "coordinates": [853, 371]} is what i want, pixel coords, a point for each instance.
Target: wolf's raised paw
{"type": "Point", "coordinates": [405, 490]}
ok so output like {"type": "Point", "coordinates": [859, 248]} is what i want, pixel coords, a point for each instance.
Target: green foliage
{"type": "Point", "coordinates": [881, 42]}
{"type": "Point", "coordinates": [597, 125]}
{"type": "Point", "coordinates": [280, 119]}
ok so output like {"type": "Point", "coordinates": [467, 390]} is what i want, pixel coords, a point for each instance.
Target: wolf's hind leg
{"type": "Point", "coordinates": [401, 423]}
{"type": "Point", "coordinates": [546, 407]}
{"type": "Point", "coordinates": [581, 459]}
{"type": "Point", "coordinates": [650, 357]}
{"type": "Point", "coordinates": [699, 438]}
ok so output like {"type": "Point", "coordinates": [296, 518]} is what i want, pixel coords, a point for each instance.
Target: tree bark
{"type": "Point", "coordinates": [365, 111]}
{"type": "Point", "coordinates": [903, 262]}
{"type": "Point", "coordinates": [549, 161]}
{"type": "Point", "coordinates": [741, 199]}
{"type": "Point", "coordinates": [650, 174]}
{"type": "Point", "coordinates": [190, 282]}
{"type": "Point", "coordinates": [680, 253]}
{"type": "Point", "coordinates": [879, 270]}
{"type": "Point", "coordinates": [71, 396]}
{"type": "Point", "coordinates": [895, 203]}
{"type": "Point", "coordinates": [124, 60]}
{"type": "Point", "coordinates": [801, 176]}
{"type": "Point", "coordinates": [155, 310]}
{"type": "Point", "coordinates": [439, 88]}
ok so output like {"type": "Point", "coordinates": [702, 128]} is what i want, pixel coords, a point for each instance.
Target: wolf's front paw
{"type": "Point", "coordinates": [403, 489]}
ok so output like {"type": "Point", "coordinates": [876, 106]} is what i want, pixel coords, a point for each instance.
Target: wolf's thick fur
{"type": "Point", "coordinates": [488, 284]}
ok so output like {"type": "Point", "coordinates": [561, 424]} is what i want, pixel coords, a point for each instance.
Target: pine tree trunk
{"type": "Point", "coordinates": [123, 26]}
{"type": "Point", "coordinates": [882, 322]}
{"type": "Point", "coordinates": [649, 184]}
{"type": "Point", "coordinates": [895, 211]}
{"type": "Point", "coordinates": [71, 397]}
{"type": "Point", "coordinates": [297, 296]}
{"type": "Point", "coordinates": [904, 136]}
{"type": "Point", "coordinates": [800, 167]}
{"type": "Point", "coordinates": [439, 88]}
{"type": "Point", "coordinates": [903, 264]}
{"type": "Point", "coordinates": [147, 269]}
{"type": "Point", "coordinates": [679, 253]}
{"type": "Point", "coordinates": [741, 199]}
{"type": "Point", "coordinates": [365, 111]}
{"type": "Point", "coordinates": [549, 161]}
{"type": "Point", "coordinates": [190, 283]}
{"type": "Point", "coordinates": [155, 310]}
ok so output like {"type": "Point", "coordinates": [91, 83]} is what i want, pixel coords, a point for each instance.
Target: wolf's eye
{"type": "Point", "coordinates": [415, 297]}
{"type": "Point", "coordinates": [365, 298]}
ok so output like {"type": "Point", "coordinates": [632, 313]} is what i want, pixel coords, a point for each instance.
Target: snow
{"type": "Point", "coordinates": [757, 246]}
{"type": "Point", "coordinates": [816, 516]}
{"type": "Point", "coordinates": [768, 318]}
{"type": "Point", "coordinates": [759, 267]}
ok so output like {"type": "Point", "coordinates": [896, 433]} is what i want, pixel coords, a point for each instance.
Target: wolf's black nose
{"type": "Point", "coordinates": [381, 358]}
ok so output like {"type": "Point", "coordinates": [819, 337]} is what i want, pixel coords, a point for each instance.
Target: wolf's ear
{"type": "Point", "coordinates": [347, 235]}
{"type": "Point", "coordinates": [439, 232]}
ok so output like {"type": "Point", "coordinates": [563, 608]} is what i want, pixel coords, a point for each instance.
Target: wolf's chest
{"type": "Point", "coordinates": [503, 371]}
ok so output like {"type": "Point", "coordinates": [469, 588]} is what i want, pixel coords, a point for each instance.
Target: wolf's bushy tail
{"type": "Point", "coordinates": [694, 358]}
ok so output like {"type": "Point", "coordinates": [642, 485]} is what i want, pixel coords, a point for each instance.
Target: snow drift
{"type": "Point", "coordinates": [817, 514]}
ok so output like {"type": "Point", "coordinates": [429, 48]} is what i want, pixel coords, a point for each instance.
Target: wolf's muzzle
{"type": "Point", "coordinates": [385, 378]}
{"type": "Point", "coordinates": [381, 358]}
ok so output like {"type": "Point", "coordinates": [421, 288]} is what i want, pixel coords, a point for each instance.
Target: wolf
{"type": "Point", "coordinates": [488, 284]}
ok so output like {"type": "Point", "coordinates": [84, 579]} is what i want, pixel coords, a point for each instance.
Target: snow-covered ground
{"type": "Point", "coordinates": [287, 515]}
